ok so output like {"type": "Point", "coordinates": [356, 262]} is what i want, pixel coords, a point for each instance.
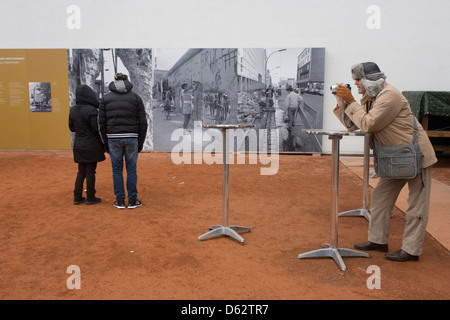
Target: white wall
{"type": "Point", "coordinates": [411, 46]}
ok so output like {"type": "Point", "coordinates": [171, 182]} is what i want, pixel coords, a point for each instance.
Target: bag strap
{"type": "Point", "coordinates": [416, 131]}
{"type": "Point", "coordinates": [415, 135]}
{"type": "Point", "coordinates": [345, 118]}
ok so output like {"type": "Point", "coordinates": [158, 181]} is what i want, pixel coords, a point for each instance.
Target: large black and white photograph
{"type": "Point", "coordinates": [240, 86]}
{"type": "Point", "coordinates": [96, 68]}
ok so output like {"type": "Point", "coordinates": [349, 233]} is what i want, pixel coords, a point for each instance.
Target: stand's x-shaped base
{"type": "Point", "coordinates": [356, 212]}
{"type": "Point", "coordinates": [231, 231]}
{"type": "Point", "coordinates": [335, 253]}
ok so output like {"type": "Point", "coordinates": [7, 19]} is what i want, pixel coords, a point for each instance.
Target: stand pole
{"type": "Point", "coordinates": [364, 211]}
{"type": "Point", "coordinates": [332, 250]}
{"type": "Point", "coordinates": [224, 229]}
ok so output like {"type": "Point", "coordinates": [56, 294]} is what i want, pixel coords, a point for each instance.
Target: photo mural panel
{"type": "Point", "coordinates": [37, 89]}
{"type": "Point", "coordinates": [238, 85]}
{"type": "Point", "coordinates": [97, 67]}
{"type": "Point", "coordinates": [226, 85]}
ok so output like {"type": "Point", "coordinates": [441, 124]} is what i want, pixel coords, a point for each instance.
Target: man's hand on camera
{"type": "Point", "coordinates": [344, 93]}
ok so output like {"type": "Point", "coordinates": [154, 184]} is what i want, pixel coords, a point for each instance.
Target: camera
{"type": "Point", "coordinates": [334, 88]}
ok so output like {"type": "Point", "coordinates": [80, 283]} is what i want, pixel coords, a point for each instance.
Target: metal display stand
{"type": "Point", "coordinates": [364, 211]}
{"type": "Point", "coordinates": [225, 229]}
{"type": "Point", "coordinates": [332, 250]}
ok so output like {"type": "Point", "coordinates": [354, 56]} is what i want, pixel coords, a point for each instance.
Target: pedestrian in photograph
{"type": "Point", "coordinates": [226, 106]}
{"type": "Point", "coordinates": [386, 114]}
{"type": "Point", "coordinates": [210, 104]}
{"type": "Point", "coordinates": [218, 106]}
{"type": "Point", "coordinates": [292, 103]}
{"type": "Point", "coordinates": [197, 113]}
{"type": "Point", "coordinates": [88, 148]}
{"type": "Point", "coordinates": [186, 98]}
{"type": "Point", "coordinates": [269, 92]}
{"type": "Point", "coordinates": [301, 101]}
{"type": "Point", "coordinates": [123, 125]}
{"type": "Point", "coordinates": [168, 102]}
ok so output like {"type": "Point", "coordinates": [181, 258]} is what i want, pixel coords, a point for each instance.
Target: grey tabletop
{"type": "Point", "coordinates": [228, 126]}
{"type": "Point", "coordinates": [334, 132]}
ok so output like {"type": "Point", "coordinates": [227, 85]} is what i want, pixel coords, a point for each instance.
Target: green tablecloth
{"type": "Point", "coordinates": [434, 103]}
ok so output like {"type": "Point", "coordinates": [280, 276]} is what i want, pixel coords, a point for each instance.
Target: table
{"type": "Point", "coordinates": [225, 229]}
{"type": "Point", "coordinates": [331, 250]}
{"type": "Point", "coordinates": [432, 109]}
{"type": "Point", "coordinates": [433, 103]}
{"type": "Point", "coordinates": [364, 211]}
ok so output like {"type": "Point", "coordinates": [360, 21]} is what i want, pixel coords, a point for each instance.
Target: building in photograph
{"type": "Point", "coordinates": [285, 82]}
{"type": "Point", "coordinates": [310, 70]}
{"type": "Point", "coordinates": [250, 69]}
{"type": "Point", "coordinates": [220, 70]}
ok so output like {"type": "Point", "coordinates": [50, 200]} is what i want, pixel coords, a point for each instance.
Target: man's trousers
{"type": "Point", "coordinates": [383, 200]}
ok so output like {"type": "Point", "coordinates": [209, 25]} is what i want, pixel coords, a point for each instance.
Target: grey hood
{"type": "Point", "coordinates": [120, 86]}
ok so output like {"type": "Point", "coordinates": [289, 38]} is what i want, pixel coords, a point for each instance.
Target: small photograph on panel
{"type": "Point", "coordinates": [277, 90]}
{"type": "Point", "coordinates": [40, 96]}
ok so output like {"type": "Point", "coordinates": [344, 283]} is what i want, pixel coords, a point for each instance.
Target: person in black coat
{"type": "Point", "coordinates": [122, 122]}
{"type": "Point", "coordinates": [88, 148]}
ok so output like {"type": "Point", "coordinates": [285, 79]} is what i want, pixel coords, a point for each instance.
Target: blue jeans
{"type": "Point", "coordinates": [118, 149]}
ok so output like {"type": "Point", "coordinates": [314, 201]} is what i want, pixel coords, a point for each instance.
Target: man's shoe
{"type": "Point", "coordinates": [78, 201]}
{"type": "Point", "coordinates": [368, 246]}
{"type": "Point", "coordinates": [134, 204]}
{"type": "Point", "coordinates": [119, 204]}
{"type": "Point", "coordinates": [401, 256]}
{"type": "Point", "coordinates": [93, 200]}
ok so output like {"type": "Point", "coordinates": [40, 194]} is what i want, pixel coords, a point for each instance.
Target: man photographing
{"type": "Point", "coordinates": [386, 114]}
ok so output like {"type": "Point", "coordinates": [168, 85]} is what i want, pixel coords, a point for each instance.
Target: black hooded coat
{"type": "Point", "coordinates": [87, 147]}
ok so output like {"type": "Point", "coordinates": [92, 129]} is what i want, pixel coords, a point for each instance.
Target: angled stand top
{"type": "Point", "coordinates": [334, 132]}
{"type": "Point", "coordinates": [228, 126]}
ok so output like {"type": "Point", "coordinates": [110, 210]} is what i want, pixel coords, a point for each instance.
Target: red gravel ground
{"type": "Point", "coordinates": [153, 252]}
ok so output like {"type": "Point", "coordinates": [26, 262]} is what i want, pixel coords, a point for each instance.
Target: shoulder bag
{"type": "Point", "coordinates": [399, 162]}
